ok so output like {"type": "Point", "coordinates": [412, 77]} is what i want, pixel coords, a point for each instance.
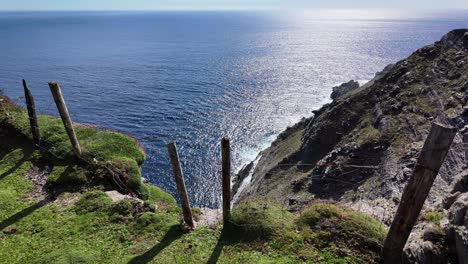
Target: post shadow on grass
{"type": "Point", "coordinates": [227, 237]}
{"type": "Point", "coordinates": [23, 213]}
{"type": "Point", "coordinates": [218, 249]}
{"type": "Point", "coordinates": [172, 234]}
{"type": "Point", "coordinates": [51, 196]}
{"type": "Point", "coordinates": [27, 155]}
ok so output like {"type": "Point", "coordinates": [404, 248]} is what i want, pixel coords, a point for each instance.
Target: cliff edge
{"type": "Point", "coordinates": [360, 149]}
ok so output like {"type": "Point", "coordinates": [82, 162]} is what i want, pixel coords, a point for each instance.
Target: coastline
{"type": "Point", "coordinates": [243, 176]}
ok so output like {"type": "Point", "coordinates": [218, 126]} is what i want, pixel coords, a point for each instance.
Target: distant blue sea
{"type": "Point", "coordinates": [193, 77]}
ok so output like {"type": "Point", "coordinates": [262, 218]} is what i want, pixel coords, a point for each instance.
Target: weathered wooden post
{"type": "Point", "coordinates": [181, 189]}
{"type": "Point", "coordinates": [226, 174]}
{"type": "Point", "coordinates": [427, 167]}
{"type": "Point", "coordinates": [31, 106]}
{"type": "Point", "coordinates": [67, 122]}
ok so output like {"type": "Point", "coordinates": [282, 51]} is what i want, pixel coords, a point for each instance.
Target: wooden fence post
{"type": "Point", "coordinates": [226, 181]}
{"type": "Point", "coordinates": [181, 189]}
{"type": "Point", "coordinates": [31, 106]}
{"type": "Point", "coordinates": [415, 193]}
{"type": "Point", "coordinates": [67, 122]}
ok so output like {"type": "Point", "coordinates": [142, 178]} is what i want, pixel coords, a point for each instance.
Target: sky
{"type": "Point", "coordinates": [227, 4]}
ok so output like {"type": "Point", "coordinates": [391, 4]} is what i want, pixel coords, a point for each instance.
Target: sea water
{"type": "Point", "coordinates": [194, 77]}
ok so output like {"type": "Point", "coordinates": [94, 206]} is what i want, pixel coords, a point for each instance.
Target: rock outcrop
{"type": "Point", "coordinates": [343, 89]}
{"type": "Point", "coordinates": [360, 150]}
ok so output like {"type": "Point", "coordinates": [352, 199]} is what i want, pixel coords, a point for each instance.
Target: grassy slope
{"type": "Point", "coordinates": [84, 226]}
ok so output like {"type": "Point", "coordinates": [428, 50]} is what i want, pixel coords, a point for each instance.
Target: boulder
{"type": "Point", "coordinates": [432, 233]}
{"type": "Point", "coordinates": [343, 89]}
{"type": "Point", "coordinates": [461, 244]}
{"type": "Point", "coordinates": [460, 182]}
{"type": "Point", "coordinates": [423, 252]}
{"type": "Point", "coordinates": [457, 230]}
{"type": "Point", "coordinates": [458, 210]}
{"type": "Point", "coordinates": [450, 199]}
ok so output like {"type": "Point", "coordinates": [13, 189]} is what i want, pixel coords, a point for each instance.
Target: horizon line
{"type": "Point", "coordinates": [239, 9]}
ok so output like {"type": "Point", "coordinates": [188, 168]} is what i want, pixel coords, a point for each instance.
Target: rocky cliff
{"type": "Point", "coordinates": [360, 149]}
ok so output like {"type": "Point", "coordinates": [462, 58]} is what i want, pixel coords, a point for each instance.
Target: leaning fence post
{"type": "Point", "coordinates": [181, 189]}
{"type": "Point", "coordinates": [67, 122]}
{"type": "Point", "coordinates": [427, 167]}
{"type": "Point", "coordinates": [31, 106]}
{"type": "Point", "coordinates": [226, 174]}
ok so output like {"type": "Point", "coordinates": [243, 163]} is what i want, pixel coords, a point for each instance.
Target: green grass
{"type": "Point", "coordinates": [94, 230]}
{"type": "Point", "coordinates": [260, 218]}
{"type": "Point", "coordinates": [324, 224]}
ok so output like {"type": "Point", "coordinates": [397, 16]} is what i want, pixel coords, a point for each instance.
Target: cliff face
{"type": "Point", "coordinates": [361, 148]}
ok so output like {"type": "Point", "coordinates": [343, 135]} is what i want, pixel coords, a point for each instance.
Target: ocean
{"type": "Point", "coordinates": [194, 76]}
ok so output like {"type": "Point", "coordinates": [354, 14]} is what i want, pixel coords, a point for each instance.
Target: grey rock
{"type": "Point", "coordinates": [449, 200]}
{"type": "Point", "coordinates": [457, 211]}
{"type": "Point", "coordinates": [460, 182]}
{"type": "Point", "coordinates": [433, 234]}
{"type": "Point", "coordinates": [461, 244]}
{"type": "Point", "coordinates": [423, 252]}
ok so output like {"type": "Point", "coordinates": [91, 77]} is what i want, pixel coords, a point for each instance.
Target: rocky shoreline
{"type": "Point", "coordinates": [360, 149]}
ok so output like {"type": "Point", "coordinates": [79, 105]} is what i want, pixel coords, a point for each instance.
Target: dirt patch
{"type": "Point", "coordinates": [67, 199]}
{"type": "Point", "coordinates": [38, 175]}
{"type": "Point", "coordinates": [209, 217]}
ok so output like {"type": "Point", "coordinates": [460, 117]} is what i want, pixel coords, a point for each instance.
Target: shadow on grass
{"type": "Point", "coordinates": [228, 236]}
{"type": "Point", "coordinates": [218, 249]}
{"type": "Point", "coordinates": [173, 234]}
{"type": "Point", "coordinates": [23, 213]}
{"type": "Point", "coordinates": [26, 157]}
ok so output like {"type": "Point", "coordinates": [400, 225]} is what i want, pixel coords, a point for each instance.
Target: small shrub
{"type": "Point", "coordinates": [260, 219]}
{"type": "Point", "coordinates": [121, 211]}
{"type": "Point", "coordinates": [92, 201]}
{"type": "Point", "coordinates": [433, 217]}
{"type": "Point", "coordinates": [151, 207]}
{"type": "Point", "coordinates": [124, 207]}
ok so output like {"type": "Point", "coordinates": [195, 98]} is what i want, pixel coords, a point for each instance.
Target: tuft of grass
{"type": "Point", "coordinates": [93, 201]}
{"type": "Point", "coordinates": [260, 219]}
{"type": "Point", "coordinates": [330, 224]}
{"type": "Point", "coordinates": [368, 134]}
